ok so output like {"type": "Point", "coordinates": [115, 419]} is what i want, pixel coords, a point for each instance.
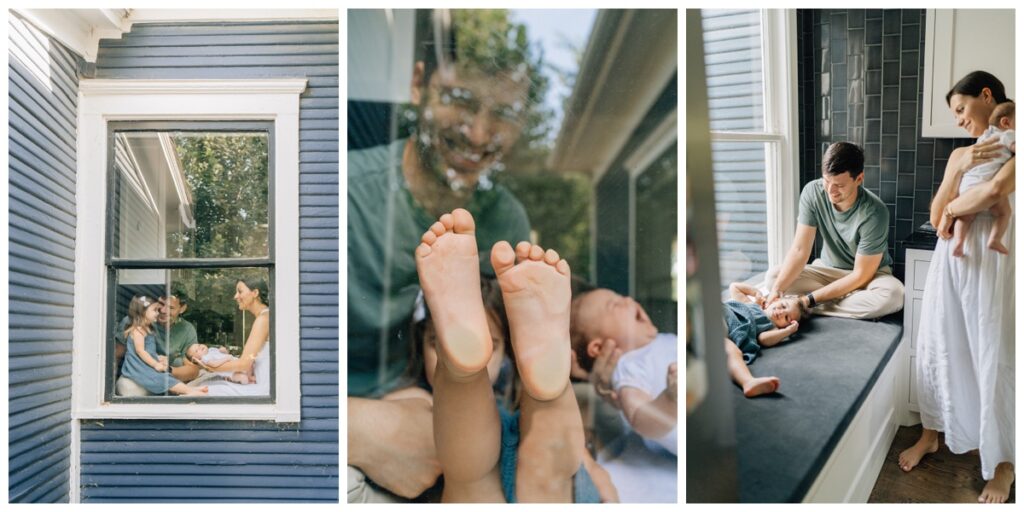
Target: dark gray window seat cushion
{"type": "Point", "coordinates": [826, 371]}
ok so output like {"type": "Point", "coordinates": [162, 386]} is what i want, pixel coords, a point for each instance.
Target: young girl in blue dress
{"type": "Point", "coordinates": [139, 363]}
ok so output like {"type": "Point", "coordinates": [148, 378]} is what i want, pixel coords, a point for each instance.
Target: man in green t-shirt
{"type": "Point", "coordinates": [853, 277]}
{"type": "Point", "coordinates": [468, 118]}
{"type": "Point", "coordinates": [173, 336]}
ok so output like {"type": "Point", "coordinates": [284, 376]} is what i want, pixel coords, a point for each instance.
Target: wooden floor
{"type": "Point", "coordinates": [941, 477]}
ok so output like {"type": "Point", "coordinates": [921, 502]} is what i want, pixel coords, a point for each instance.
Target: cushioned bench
{"type": "Point", "coordinates": [827, 371]}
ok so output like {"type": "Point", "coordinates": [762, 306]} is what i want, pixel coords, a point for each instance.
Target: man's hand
{"type": "Point", "coordinates": [672, 380]}
{"type": "Point", "coordinates": [601, 373]}
{"type": "Point", "coordinates": [392, 442]}
{"type": "Point", "coordinates": [772, 297]}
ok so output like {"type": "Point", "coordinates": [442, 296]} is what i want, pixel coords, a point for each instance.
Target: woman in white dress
{"type": "Point", "coordinates": [965, 352]}
{"type": "Point", "coordinates": [252, 295]}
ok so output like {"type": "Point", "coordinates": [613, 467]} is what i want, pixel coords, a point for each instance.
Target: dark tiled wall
{"type": "Point", "coordinates": [860, 81]}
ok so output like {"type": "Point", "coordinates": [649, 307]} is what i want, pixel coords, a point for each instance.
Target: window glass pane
{"type": "Point", "coordinates": [204, 314]}
{"type": "Point", "coordinates": [190, 194]}
{"type": "Point", "coordinates": [732, 60]}
{"type": "Point", "coordinates": [740, 208]}
{"type": "Point", "coordinates": [656, 223]}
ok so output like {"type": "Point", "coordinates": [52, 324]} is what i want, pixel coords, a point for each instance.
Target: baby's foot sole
{"type": "Point", "coordinates": [761, 386]}
{"type": "Point", "coordinates": [449, 271]}
{"type": "Point", "coordinates": [537, 296]}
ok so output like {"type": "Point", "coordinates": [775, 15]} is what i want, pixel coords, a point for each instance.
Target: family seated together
{"type": "Point", "coordinates": [159, 352]}
{"type": "Point", "coordinates": [965, 339]}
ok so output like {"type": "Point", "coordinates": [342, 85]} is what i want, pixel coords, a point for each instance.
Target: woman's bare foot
{"type": "Point", "coordinates": [997, 490]}
{"type": "Point", "coordinates": [449, 271]}
{"type": "Point", "coordinates": [927, 443]}
{"type": "Point", "coordinates": [760, 386]}
{"type": "Point", "coordinates": [537, 296]}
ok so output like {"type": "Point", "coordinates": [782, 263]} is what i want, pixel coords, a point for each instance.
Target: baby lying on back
{"type": "Point", "coordinates": [202, 355]}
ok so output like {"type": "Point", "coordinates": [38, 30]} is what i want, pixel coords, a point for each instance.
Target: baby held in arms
{"type": "Point", "coordinates": [752, 324]}
{"type": "Point", "coordinates": [645, 377]}
{"type": "Point", "coordinates": [201, 355]}
{"type": "Point", "coordinates": [1002, 124]}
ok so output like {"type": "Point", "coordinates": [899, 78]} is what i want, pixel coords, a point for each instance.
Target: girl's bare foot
{"type": "Point", "coordinates": [760, 386]}
{"type": "Point", "coordinates": [197, 391]}
{"type": "Point", "coordinates": [449, 271]}
{"type": "Point", "coordinates": [537, 296]}
{"type": "Point", "coordinates": [997, 490]}
{"type": "Point", "coordinates": [927, 443]}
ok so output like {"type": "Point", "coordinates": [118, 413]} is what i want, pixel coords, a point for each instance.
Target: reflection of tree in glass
{"type": "Point", "coordinates": [212, 309]}
{"type": "Point", "coordinates": [227, 175]}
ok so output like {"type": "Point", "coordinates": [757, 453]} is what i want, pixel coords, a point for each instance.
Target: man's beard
{"type": "Point", "coordinates": [428, 141]}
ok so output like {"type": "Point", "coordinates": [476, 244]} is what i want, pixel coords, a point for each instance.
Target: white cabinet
{"type": "Point", "coordinates": [917, 263]}
{"type": "Point", "coordinates": [958, 41]}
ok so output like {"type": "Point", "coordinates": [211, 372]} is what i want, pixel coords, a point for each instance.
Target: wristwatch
{"type": "Point", "coordinates": [810, 300]}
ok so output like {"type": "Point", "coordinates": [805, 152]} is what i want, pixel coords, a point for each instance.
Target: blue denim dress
{"type": "Point", "coordinates": [743, 322]}
{"type": "Point", "coordinates": [143, 374]}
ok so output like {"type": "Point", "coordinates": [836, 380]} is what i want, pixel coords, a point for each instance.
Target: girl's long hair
{"type": "Point", "coordinates": [137, 315]}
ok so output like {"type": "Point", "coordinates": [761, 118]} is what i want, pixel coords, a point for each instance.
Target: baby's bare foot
{"type": "Point", "coordinates": [910, 457]}
{"type": "Point", "coordinates": [449, 271]}
{"type": "Point", "coordinates": [997, 490]}
{"type": "Point", "coordinates": [761, 386]}
{"type": "Point", "coordinates": [537, 296]}
{"type": "Point", "coordinates": [958, 249]}
{"type": "Point", "coordinates": [998, 246]}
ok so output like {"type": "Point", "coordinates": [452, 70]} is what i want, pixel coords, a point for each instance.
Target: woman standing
{"type": "Point", "coordinates": [965, 352]}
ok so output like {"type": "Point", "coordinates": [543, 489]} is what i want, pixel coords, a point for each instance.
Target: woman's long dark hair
{"type": "Point", "coordinates": [975, 82]}
{"type": "Point", "coordinates": [259, 284]}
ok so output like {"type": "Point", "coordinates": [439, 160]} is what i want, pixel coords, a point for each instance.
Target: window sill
{"type": "Point", "coordinates": [189, 411]}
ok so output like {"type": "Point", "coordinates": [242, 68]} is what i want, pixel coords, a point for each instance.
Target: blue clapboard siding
{"type": "Point", "coordinates": [732, 55]}
{"type": "Point", "coordinates": [43, 92]}
{"type": "Point", "coordinates": [244, 460]}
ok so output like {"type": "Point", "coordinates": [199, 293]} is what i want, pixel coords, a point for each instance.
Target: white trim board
{"type": "Point", "coordinates": [101, 101]}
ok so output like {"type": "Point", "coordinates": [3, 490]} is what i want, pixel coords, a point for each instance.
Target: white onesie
{"type": "Point", "coordinates": [646, 369]}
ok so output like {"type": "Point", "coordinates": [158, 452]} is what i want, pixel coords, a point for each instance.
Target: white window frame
{"type": "Point", "coordinates": [103, 101]}
{"type": "Point", "coordinates": [781, 131]}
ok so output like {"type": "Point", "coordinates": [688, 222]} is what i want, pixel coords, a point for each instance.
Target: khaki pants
{"type": "Point", "coordinates": [127, 387]}
{"type": "Point", "coordinates": [882, 296]}
{"type": "Point", "coordinates": [361, 490]}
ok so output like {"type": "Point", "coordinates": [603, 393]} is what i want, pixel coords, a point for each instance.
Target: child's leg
{"type": "Point", "coordinates": [537, 296]}
{"type": "Point", "coordinates": [551, 448]}
{"type": "Point", "coordinates": [740, 373]}
{"type": "Point", "coordinates": [960, 227]}
{"type": "Point", "coordinates": [1000, 221]}
{"type": "Point", "coordinates": [467, 429]}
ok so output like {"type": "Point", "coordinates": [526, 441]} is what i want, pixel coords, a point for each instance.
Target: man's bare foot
{"type": "Point", "coordinates": [997, 246]}
{"type": "Point", "coordinates": [537, 296]}
{"type": "Point", "coordinates": [997, 490]}
{"type": "Point", "coordinates": [449, 271]}
{"type": "Point", "coordinates": [760, 386]}
{"type": "Point", "coordinates": [927, 443]}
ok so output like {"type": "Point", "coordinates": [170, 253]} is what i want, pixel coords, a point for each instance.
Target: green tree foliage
{"type": "Point", "coordinates": [228, 180]}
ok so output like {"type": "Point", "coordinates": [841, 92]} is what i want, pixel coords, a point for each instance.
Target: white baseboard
{"type": "Point", "coordinates": [850, 473]}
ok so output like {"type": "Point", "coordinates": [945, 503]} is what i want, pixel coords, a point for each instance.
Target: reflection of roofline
{"type": "Point", "coordinates": [178, 177]}
{"type": "Point", "coordinates": [621, 75]}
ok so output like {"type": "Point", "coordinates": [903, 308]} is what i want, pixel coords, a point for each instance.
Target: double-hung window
{"type": "Point", "coordinates": [750, 63]}
{"type": "Point", "coordinates": [187, 198]}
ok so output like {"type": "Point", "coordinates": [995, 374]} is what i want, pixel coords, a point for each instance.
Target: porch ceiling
{"type": "Point", "coordinates": [629, 58]}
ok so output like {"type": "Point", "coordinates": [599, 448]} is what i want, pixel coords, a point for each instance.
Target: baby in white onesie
{"type": "Point", "coordinates": [202, 355]}
{"type": "Point", "coordinates": [646, 377]}
{"type": "Point", "coordinates": [1001, 125]}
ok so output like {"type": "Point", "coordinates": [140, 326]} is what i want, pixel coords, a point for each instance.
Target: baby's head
{"type": "Point", "coordinates": [600, 314]}
{"type": "Point", "coordinates": [497, 323]}
{"type": "Point", "coordinates": [196, 351]}
{"type": "Point", "coordinates": [785, 310]}
{"type": "Point", "coordinates": [1004, 116]}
